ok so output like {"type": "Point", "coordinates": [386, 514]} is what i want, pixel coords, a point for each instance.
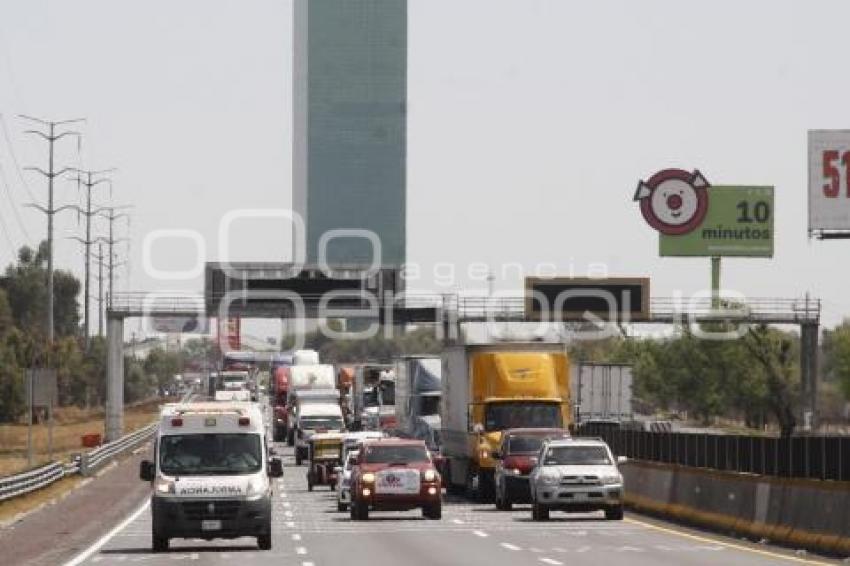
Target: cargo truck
{"type": "Point", "coordinates": [491, 388]}
{"type": "Point", "coordinates": [418, 394]}
{"type": "Point", "coordinates": [302, 378]}
{"type": "Point", "coordinates": [373, 397]}
{"type": "Point", "coordinates": [602, 392]}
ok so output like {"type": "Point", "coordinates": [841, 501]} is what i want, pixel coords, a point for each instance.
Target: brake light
{"type": "Point", "coordinates": [244, 421]}
{"type": "Point", "coordinates": [177, 421]}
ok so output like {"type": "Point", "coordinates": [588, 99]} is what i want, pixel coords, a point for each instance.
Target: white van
{"type": "Point", "coordinates": [210, 474]}
{"type": "Point", "coordinates": [316, 412]}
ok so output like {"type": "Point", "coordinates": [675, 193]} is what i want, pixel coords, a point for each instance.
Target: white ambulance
{"type": "Point", "coordinates": [211, 474]}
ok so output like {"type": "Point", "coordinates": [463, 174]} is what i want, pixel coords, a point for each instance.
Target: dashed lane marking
{"type": "Point", "coordinates": [551, 561]}
{"type": "Point", "coordinates": [510, 546]}
{"type": "Point", "coordinates": [296, 537]}
{"type": "Point", "coordinates": [481, 534]}
{"type": "Point", "coordinates": [300, 550]}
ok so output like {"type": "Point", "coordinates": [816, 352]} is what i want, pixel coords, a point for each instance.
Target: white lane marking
{"type": "Point", "coordinates": [296, 537]}
{"type": "Point", "coordinates": [300, 550]}
{"type": "Point", "coordinates": [87, 553]}
{"type": "Point", "coordinates": [286, 503]}
{"type": "Point", "coordinates": [481, 534]}
{"type": "Point", "coordinates": [551, 561]}
{"type": "Point", "coordinates": [457, 521]}
{"type": "Point", "coordinates": [288, 514]}
{"type": "Point", "coordinates": [583, 549]}
{"type": "Point", "coordinates": [307, 564]}
{"type": "Point", "coordinates": [510, 546]}
{"type": "Point", "coordinates": [290, 524]}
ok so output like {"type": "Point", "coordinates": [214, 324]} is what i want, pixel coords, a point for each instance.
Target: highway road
{"type": "Point", "coordinates": [308, 531]}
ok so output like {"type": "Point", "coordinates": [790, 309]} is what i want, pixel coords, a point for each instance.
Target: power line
{"type": "Point", "coordinates": [21, 177]}
{"type": "Point", "coordinates": [8, 237]}
{"type": "Point", "coordinates": [15, 211]}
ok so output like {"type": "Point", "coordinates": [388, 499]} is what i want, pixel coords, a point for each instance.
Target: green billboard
{"type": "Point", "coordinates": [738, 223]}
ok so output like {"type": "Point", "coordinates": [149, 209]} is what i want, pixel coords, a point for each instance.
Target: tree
{"type": "Point", "coordinates": [26, 286]}
{"type": "Point", "coordinates": [836, 356]}
{"type": "Point", "coordinates": [775, 351]}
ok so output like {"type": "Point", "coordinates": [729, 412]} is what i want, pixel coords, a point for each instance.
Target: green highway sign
{"type": "Point", "coordinates": [738, 222]}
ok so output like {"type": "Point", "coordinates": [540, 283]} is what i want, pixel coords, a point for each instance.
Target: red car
{"type": "Point", "coordinates": [393, 474]}
{"type": "Point", "coordinates": [516, 458]}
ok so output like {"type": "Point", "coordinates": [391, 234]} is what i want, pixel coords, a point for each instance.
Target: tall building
{"type": "Point", "coordinates": [349, 127]}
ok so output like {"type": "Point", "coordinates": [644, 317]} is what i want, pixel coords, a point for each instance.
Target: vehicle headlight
{"type": "Point", "coordinates": [255, 487]}
{"type": "Point", "coordinates": [513, 471]}
{"type": "Point", "coordinates": [550, 480]}
{"type": "Point", "coordinates": [368, 477]}
{"type": "Point", "coordinates": [429, 475]}
{"type": "Point", "coordinates": [165, 486]}
{"type": "Point", "coordinates": [611, 479]}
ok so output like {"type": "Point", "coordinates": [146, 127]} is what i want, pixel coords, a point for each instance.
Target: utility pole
{"type": "Point", "coordinates": [99, 258]}
{"type": "Point", "coordinates": [111, 241]}
{"type": "Point", "coordinates": [89, 183]}
{"type": "Point", "coordinates": [51, 138]}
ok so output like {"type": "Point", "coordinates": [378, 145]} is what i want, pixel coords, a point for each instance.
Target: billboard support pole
{"type": "Point", "coordinates": [715, 282]}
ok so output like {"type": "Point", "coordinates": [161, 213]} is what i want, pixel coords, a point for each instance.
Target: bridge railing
{"type": "Point", "coordinates": [461, 307]}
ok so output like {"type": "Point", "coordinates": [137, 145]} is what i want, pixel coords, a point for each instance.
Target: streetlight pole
{"type": "Point", "coordinates": [51, 137]}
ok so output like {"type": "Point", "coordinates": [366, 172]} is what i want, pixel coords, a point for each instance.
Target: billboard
{"type": "Point", "coordinates": [572, 298]}
{"type": "Point", "coordinates": [738, 222]}
{"type": "Point", "coordinates": [829, 180]}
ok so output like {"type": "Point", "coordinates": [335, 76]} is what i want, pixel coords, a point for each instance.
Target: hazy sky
{"type": "Point", "coordinates": [530, 123]}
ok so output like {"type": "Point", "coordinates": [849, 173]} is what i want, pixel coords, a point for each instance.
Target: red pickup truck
{"type": "Point", "coordinates": [395, 475]}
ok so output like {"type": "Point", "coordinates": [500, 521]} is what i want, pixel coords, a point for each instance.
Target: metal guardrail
{"type": "Point", "coordinates": [84, 464]}
{"type": "Point", "coordinates": [19, 484]}
{"type": "Point", "coordinates": [90, 461]}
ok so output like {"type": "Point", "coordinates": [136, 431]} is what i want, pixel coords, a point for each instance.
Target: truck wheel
{"type": "Point", "coordinates": [264, 542]}
{"type": "Point", "coordinates": [341, 507]}
{"type": "Point", "coordinates": [614, 513]}
{"type": "Point", "coordinates": [451, 487]}
{"type": "Point", "coordinates": [159, 544]}
{"type": "Point", "coordinates": [503, 503]}
{"type": "Point", "coordinates": [539, 512]}
{"type": "Point", "coordinates": [434, 512]}
{"type": "Point", "coordinates": [353, 512]}
{"type": "Point", "coordinates": [333, 486]}
{"type": "Point", "coordinates": [290, 437]}
{"type": "Point", "coordinates": [363, 512]}
{"type": "Point", "coordinates": [298, 457]}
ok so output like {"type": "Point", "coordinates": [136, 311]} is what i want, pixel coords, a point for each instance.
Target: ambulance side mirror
{"type": "Point", "coordinates": [147, 471]}
{"type": "Point", "coordinates": [276, 468]}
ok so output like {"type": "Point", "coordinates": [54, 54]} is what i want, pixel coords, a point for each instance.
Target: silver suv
{"type": "Point", "coordinates": [576, 475]}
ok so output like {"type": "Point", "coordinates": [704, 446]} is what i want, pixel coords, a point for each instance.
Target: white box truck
{"type": "Point", "coordinates": [602, 392]}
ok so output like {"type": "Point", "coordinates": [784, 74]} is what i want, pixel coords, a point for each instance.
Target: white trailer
{"type": "Point", "coordinates": [602, 392]}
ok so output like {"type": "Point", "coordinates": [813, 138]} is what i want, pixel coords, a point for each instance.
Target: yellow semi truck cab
{"type": "Point", "coordinates": [492, 388]}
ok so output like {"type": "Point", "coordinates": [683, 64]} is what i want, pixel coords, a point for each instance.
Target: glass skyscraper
{"type": "Point", "coordinates": [350, 96]}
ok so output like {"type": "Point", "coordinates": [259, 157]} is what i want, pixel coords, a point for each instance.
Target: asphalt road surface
{"type": "Point", "coordinates": [308, 531]}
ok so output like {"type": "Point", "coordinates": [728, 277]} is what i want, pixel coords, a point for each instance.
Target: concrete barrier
{"type": "Point", "coordinates": [807, 514]}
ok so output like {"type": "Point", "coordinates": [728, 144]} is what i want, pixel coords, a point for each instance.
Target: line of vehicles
{"type": "Point", "coordinates": [491, 420]}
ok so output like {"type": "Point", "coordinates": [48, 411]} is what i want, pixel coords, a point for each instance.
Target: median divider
{"type": "Point", "coordinates": [808, 514]}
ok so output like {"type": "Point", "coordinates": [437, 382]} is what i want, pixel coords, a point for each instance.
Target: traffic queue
{"type": "Point", "coordinates": [491, 422]}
